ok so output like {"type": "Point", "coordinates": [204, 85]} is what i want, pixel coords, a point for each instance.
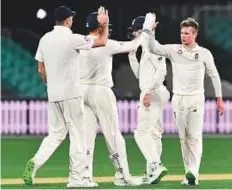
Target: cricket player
{"type": "Point", "coordinates": [154, 97]}
{"type": "Point", "coordinates": [189, 64]}
{"type": "Point", "coordinates": [100, 101]}
{"type": "Point", "coordinates": [58, 65]}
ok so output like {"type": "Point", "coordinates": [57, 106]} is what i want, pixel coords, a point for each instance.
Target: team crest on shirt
{"type": "Point", "coordinates": [196, 56]}
{"type": "Point", "coordinates": [179, 51]}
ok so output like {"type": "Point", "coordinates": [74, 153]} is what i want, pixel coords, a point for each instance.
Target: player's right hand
{"type": "Point", "coordinates": [220, 106]}
{"type": "Point", "coordinates": [150, 22]}
{"type": "Point", "coordinates": [147, 100]}
{"type": "Point", "coordinates": [103, 17]}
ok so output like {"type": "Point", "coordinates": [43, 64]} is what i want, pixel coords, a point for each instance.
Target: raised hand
{"type": "Point", "coordinates": [150, 22]}
{"type": "Point", "coordinates": [103, 17]}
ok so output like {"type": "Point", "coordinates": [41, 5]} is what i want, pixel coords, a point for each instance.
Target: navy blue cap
{"type": "Point", "coordinates": [137, 23]}
{"type": "Point", "coordinates": [91, 21]}
{"type": "Point", "coordinates": [62, 12]}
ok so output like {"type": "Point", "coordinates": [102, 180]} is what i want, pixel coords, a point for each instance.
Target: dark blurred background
{"type": "Point", "coordinates": [22, 29]}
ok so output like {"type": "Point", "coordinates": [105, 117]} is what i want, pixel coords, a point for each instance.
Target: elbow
{"type": "Point", "coordinates": [213, 75]}
{"type": "Point", "coordinates": [41, 71]}
{"type": "Point", "coordinates": [41, 68]}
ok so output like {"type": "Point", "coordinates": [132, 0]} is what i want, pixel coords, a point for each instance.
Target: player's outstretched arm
{"type": "Point", "coordinates": [214, 75]}
{"type": "Point", "coordinates": [149, 39]}
{"type": "Point", "coordinates": [103, 20]}
{"type": "Point", "coordinates": [81, 42]}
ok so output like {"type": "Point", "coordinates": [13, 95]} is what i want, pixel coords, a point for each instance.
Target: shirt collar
{"type": "Point", "coordinates": [63, 29]}
{"type": "Point", "coordinates": [196, 48]}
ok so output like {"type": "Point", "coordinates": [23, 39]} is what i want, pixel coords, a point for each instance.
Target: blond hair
{"type": "Point", "coordinates": [190, 22]}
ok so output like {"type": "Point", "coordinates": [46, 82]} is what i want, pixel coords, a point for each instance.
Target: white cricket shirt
{"type": "Point", "coordinates": [151, 71]}
{"type": "Point", "coordinates": [188, 67]}
{"type": "Point", "coordinates": [96, 64]}
{"type": "Point", "coordinates": [59, 50]}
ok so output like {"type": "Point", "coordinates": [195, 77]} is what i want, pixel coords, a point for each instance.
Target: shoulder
{"type": "Point", "coordinates": [176, 46]}
{"type": "Point", "coordinates": [45, 37]}
{"type": "Point", "coordinates": [206, 53]}
{"type": "Point", "coordinates": [76, 36]}
{"type": "Point", "coordinates": [204, 50]}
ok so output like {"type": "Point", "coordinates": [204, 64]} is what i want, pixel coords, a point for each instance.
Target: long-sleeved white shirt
{"type": "Point", "coordinates": [58, 50]}
{"type": "Point", "coordinates": [151, 71]}
{"type": "Point", "coordinates": [188, 67]}
{"type": "Point", "coordinates": [96, 64]}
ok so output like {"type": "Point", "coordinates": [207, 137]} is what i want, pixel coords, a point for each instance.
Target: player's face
{"type": "Point", "coordinates": [188, 35]}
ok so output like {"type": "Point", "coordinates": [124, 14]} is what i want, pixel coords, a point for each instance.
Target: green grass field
{"type": "Point", "coordinates": [15, 151]}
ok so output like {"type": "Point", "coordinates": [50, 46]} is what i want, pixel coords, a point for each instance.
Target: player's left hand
{"type": "Point", "coordinates": [220, 106]}
{"type": "Point", "coordinates": [147, 100]}
{"type": "Point", "coordinates": [150, 22]}
{"type": "Point", "coordinates": [103, 17]}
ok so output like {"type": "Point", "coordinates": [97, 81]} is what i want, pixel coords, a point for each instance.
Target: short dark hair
{"type": "Point", "coordinates": [190, 22]}
{"type": "Point", "coordinates": [60, 23]}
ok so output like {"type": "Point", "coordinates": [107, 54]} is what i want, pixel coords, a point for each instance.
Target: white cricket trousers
{"type": "Point", "coordinates": [65, 117]}
{"type": "Point", "coordinates": [189, 115]}
{"type": "Point", "coordinates": [149, 131]}
{"type": "Point", "coordinates": [101, 109]}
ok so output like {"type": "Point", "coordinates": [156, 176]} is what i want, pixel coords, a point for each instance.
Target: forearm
{"type": "Point", "coordinates": [101, 41]}
{"type": "Point", "coordinates": [130, 45]}
{"type": "Point", "coordinates": [217, 85]}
